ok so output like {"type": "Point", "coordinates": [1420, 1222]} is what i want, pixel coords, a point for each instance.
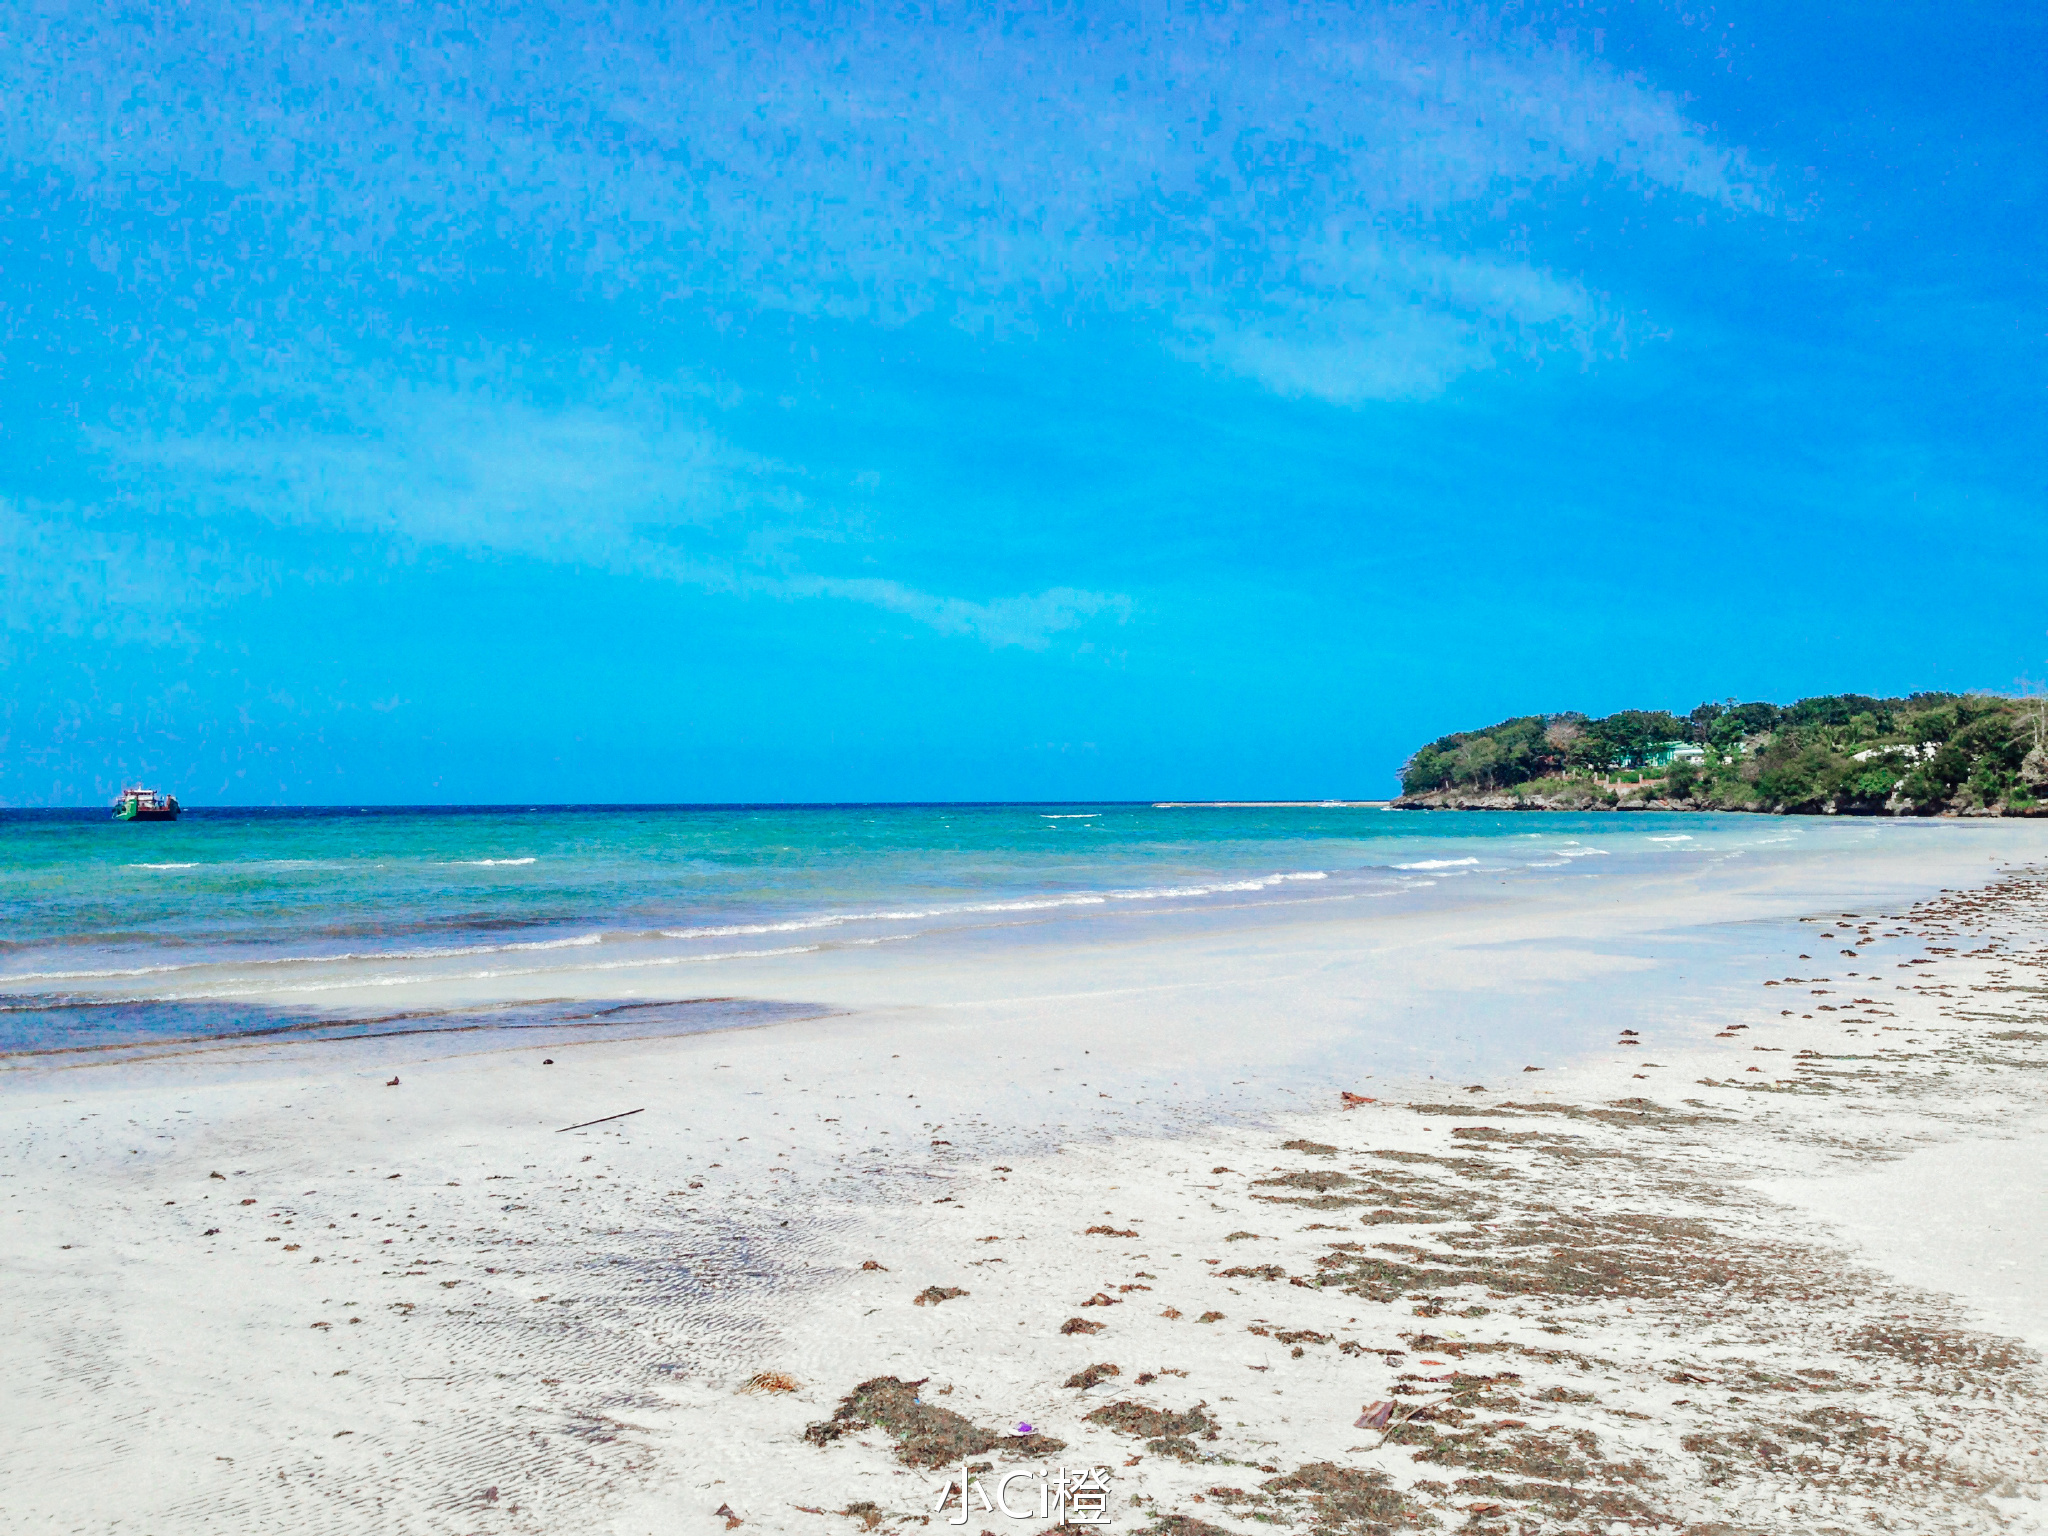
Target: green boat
{"type": "Point", "coordinates": [145, 805]}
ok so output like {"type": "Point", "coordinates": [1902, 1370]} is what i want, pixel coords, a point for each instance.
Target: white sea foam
{"type": "Point", "coordinates": [1677, 837]}
{"type": "Point", "coordinates": [163, 866]}
{"type": "Point", "coordinates": [1582, 853]}
{"type": "Point", "coordinates": [1257, 883]}
{"type": "Point", "coordinates": [716, 931]}
{"type": "Point", "coordinates": [840, 919]}
{"type": "Point", "coordinates": [1437, 864]}
{"type": "Point", "coordinates": [489, 863]}
{"type": "Point", "coordinates": [1068, 815]}
{"type": "Point", "coordinates": [353, 956]}
{"type": "Point", "coordinates": [975, 908]}
{"type": "Point", "coordinates": [405, 979]}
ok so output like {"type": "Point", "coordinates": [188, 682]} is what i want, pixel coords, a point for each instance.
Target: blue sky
{"type": "Point", "coordinates": [792, 403]}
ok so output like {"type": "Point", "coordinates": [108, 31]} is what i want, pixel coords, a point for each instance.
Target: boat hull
{"type": "Point", "coordinates": [125, 814]}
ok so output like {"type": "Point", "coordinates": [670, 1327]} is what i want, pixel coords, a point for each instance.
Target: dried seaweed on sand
{"type": "Point", "coordinates": [926, 1435]}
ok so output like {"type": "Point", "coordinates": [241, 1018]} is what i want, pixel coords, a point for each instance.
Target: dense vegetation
{"type": "Point", "coordinates": [1927, 754]}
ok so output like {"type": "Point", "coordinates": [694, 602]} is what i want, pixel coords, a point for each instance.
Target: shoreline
{"type": "Point", "coordinates": [519, 1323]}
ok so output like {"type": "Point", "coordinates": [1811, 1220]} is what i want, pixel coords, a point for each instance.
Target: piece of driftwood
{"type": "Point", "coordinates": [600, 1120]}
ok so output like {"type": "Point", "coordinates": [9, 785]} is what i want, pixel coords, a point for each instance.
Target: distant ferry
{"type": "Point", "coordinates": [145, 805]}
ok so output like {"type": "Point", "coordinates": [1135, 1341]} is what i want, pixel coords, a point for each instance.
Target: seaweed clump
{"type": "Point", "coordinates": [1345, 1499]}
{"type": "Point", "coordinates": [1627, 1256]}
{"type": "Point", "coordinates": [1166, 1434]}
{"type": "Point", "coordinates": [926, 1435]}
{"type": "Point", "coordinates": [1562, 1503]}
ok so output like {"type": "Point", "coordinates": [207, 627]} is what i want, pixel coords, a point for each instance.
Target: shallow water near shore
{"type": "Point", "coordinates": [345, 922]}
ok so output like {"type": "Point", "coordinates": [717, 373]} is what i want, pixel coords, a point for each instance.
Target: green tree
{"type": "Point", "coordinates": [1934, 750]}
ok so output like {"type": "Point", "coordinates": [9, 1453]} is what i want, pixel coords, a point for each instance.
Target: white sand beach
{"type": "Point", "coordinates": [1771, 1261]}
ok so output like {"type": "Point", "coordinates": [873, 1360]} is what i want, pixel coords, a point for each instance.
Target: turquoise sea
{"type": "Point", "coordinates": [232, 921]}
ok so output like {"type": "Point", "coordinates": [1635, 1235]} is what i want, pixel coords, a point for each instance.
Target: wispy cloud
{"type": "Point", "coordinates": [1381, 324]}
{"type": "Point", "coordinates": [623, 480]}
{"type": "Point", "coordinates": [1029, 620]}
{"type": "Point", "coordinates": [1191, 166]}
{"type": "Point", "coordinates": [475, 467]}
{"type": "Point", "coordinates": [1309, 198]}
{"type": "Point", "coordinates": [114, 574]}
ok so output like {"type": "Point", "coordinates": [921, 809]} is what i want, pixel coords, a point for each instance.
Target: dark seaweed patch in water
{"type": "Point", "coordinates": [79, 1026]}
{"type": "Point", "coordinates": [926, 1435]}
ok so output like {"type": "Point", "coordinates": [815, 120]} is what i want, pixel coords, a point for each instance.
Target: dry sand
{"type": "Point", "coordinates": [1771, 1264]}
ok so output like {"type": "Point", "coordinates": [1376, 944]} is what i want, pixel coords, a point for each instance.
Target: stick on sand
{"type": "Point", "coordinates": [600, 1120]}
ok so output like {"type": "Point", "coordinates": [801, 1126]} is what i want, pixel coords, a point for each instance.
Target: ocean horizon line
{"type": "Point", "coordinates": [532, 807]}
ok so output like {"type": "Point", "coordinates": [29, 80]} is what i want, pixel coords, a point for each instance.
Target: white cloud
{"type": "Point", "coordinates": [1400, 324]}
{"type": "Point", "coordinates": [1192, 166]}
{"type": "Point", "coordinates": [625, 482]}
{"type": "Point", "coordinates": [467, 467]}
{"type": "Point", "coordinates": [1029, 620]}
{"type": "Point", "coordinates": [117, 574]}
{"type": "Point", "coordinates": [1295, 194]}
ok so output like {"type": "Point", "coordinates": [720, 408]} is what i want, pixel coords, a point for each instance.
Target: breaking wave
{"type": "Point", "coordinates": [359, 955]}
{"type": "Point", "coordinates": [974, 908]}
{"type": "Point", "coordinates": [805, 924]}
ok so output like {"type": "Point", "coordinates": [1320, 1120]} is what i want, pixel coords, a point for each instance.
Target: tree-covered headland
{"type": "Point", "coordinates": [1924, 755]}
